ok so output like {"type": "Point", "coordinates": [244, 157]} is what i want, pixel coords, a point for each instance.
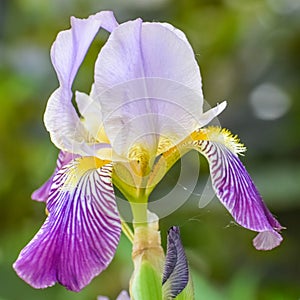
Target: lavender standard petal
{"type": "Point", "coordinates": [149, 86]}
{"type": "Point", "coordinates": [79, 237]}
{"type": "Point", "coordinates": [71, 46]}
{"type": "Point", "coordinates": [67, 53]}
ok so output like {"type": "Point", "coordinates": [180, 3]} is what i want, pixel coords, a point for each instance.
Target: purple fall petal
{"type": "Point", "coordinates": [236, 190]}
{"type": "Point", "coordinates": [176, 271]}
{"type": "Point", "coordinates": [79, 237]}
{"type": "Point", "coordinates": [42, 193]}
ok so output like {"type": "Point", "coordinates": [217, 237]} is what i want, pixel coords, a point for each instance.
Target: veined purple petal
{"type": "Point", "coordinates": [236, 190]}
{"type": "Point", "coordinates": [80, 236]}
{"type": "Point", "coordinates": [149, 86]}
{"type": "Point", "coordinates": [176, 272]}
{"type": "Point", "coordinates": [67, 53]}
{"type": "Point", "coordinates": [42, 193]}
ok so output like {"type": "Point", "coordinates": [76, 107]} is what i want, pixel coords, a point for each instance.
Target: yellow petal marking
{"type": "Point", "coordinates": [79, 167]}
{"type": "Point", "coordinates": [169, 157]}
{"type": "Point", "coordinates": [101, 136]}
{"type": "Point", "coordinates": [139, 159]}
{"type": "Point", "coordinates": [164, 144]}
{"type": "Point", "coordinates": [222, 136]}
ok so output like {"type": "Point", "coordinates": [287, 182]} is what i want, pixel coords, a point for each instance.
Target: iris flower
{"type": "Point", "coordinates": [144, 111]}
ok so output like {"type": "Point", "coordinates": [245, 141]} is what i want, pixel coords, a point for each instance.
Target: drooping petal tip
{"type": "Point", "coordinates": [267, 240]}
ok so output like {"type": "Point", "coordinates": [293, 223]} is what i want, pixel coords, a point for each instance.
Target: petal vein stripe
{"type": "Point", "coordinates": [176, 272]}
{"type": "Point", "coordinates": [80, 236]}
{"type": "Point", "coordinates": [236, 190]}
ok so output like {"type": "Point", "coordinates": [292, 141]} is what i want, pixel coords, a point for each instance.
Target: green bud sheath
{"type": "Point", "coordinates": [146, 283]}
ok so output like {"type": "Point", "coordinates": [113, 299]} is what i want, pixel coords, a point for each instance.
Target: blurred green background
{"type": "Point", "coordinates": [249, 55]}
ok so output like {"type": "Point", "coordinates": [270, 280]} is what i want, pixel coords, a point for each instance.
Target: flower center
{"type": "Point", "coordinates": [139, 159]}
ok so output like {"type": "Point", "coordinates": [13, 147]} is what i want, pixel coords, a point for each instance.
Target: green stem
{"type": "Point", "coordinates": [139, 212]}
{"type": "Point", "coordinates": [127, 231]}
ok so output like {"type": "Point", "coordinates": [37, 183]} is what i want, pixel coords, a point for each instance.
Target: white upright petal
{"type": "Point", "coordinates": [206, 117]}
{"type": "Point", "coordinates": [149, 86]}
{"type": "Point", "coordinates": [67, 54]}
{"type": "Point", "coordinates": [91, 113]}
{"type": "Point", "coordinates": [70, 46]}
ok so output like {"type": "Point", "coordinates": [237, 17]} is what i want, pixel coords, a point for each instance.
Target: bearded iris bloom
{"type": "Point", "coordinates": [143, 113]}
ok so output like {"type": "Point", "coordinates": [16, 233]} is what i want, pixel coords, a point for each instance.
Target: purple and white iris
{"type": "Point", "coordinates": [146, 98]}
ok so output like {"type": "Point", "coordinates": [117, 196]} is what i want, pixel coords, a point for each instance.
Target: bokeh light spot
{"type": "Point", "coordinates": [269, 102]}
